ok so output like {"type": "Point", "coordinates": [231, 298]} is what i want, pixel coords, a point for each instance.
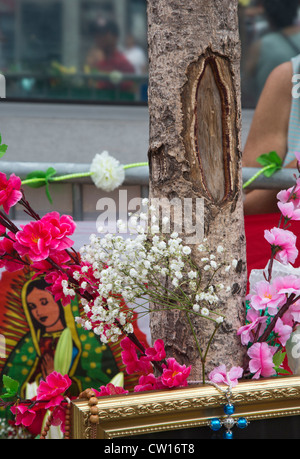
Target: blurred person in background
{"type": "Point", "coordinates": [279, 44]}
{"type": "Point", "coordinates": [105, 56]}
{"type": "Point", "coordinates": [136, 55]}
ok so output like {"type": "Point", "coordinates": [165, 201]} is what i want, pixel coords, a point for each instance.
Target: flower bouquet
{"type": "Point", "coordinates": [146, 269]}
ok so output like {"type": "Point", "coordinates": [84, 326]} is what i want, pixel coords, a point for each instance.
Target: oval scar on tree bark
{"type": "Point", "coordinates": [209, 127]}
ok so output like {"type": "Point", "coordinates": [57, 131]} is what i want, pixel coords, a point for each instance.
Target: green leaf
{"type": "Point", "coordinates": [50, 172]}
{"type": "Point", "coordinates": [271, 161]}
{"type": "Point", "coordinates": [283, 372]}
{"type": "Point", "coordinates": [3, 149]}
{"type": "Point", "coordinates": [278, 359]}
{"type": "Point", "coordinates": [42, 179]}
{"type": "Point", "coordinates": [36, 175]}
{"type": "Point", "coordinates": [48, 193]}
{"type": "Point", "coordinates": [11, 387]}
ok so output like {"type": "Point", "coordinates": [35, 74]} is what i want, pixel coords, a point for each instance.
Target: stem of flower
{"type": "Point", "coordinates": [198, 347]}
{"type": "Point", "coordinates": [73, 176]}
{"type": "Point", "coordinates": [129, 166]}
{"type": "Point", "coordinates": [254, 177]}
{"type": "Point", "coordinates": [291, 300]}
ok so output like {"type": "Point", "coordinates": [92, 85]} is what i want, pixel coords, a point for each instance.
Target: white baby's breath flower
{"type": "Point", "coordinates": [220, 320]}
{"type": "Point", "coordinates": [201, 248]}
{"type": "Point", "coordinates": [205, 312]}
{"type": "Point", "coordinates": [186, 250]}
{"type": "Point", "coordinates": [213, 264]}
{"type": "Point", "coordinates": [107, 173]}
{"type": "Point", "coordinates": [175, 282]}
{"type": "Point", "coordinates": [192, 274]}
{"type": "Point", "coordinates": [196, 307]}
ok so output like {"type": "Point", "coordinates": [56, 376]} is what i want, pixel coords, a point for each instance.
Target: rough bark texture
{"type": "Point", "coordinates": [194, 107]}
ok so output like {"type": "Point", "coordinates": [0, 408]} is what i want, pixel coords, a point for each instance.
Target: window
{"type": "Point", "coordinates": [74, 49]}
{"type": "Point", "coordinates": [96, 50]}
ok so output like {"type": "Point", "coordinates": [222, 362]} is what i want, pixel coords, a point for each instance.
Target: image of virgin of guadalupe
{"type": "Point", "coordinates": [32, 358]}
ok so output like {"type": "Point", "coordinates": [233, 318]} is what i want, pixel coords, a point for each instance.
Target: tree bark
{"type": "Point", "coordinates": [194, 152]}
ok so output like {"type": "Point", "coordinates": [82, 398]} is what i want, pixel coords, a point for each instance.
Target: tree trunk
{"type": "Point", "coordinates": [194, 107]}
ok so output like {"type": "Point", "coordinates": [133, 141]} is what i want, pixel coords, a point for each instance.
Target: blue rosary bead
{"type": "Point", "coordinates": [215, 424]}
{"type": "Point", "coordinates": [229, 409]}
{"type": "Point", "coordinates": [228, 435]}
{"type": "Point", "coordinates": [242, 423]}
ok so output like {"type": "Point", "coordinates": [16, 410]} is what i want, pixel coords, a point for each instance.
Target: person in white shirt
{"type": "Point", "coordinates": [136, 56]}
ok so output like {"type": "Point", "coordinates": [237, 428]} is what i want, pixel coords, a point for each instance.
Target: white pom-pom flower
{"type": "Point", "coordinates": [107, 172]}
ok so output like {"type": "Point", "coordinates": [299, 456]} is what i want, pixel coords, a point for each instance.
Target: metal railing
{"type": "Point", "coordinates": [283, 179]}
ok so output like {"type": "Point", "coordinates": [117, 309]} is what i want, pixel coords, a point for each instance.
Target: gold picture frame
{"type": "Point", "coordinates": [183, 408]}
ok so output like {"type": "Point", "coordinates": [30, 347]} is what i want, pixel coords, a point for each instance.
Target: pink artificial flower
{"type": "Point", "coordinates": [287, 285]}
{"type": "Point", "coordinates": [43, 266]}
{"type": "Point", "coordinates": [43, 238]}
{"type": "Point", "coordinates": [283, 331]}
{"type": "Point", "coordinates": [10, 192]}
{"type": "Point", "coordinates": [131, 360]}
{"type": "Point", "coordinates": [292, 315]}
{"type": "Point", "coordinates": [34, 240]}
{"type": "Point", "coordinates": [55, 279]}
{"type": "Point", "coordinates": [60, 227]}
{"type": "Point", "coordinates": [283, 242]}
{"type": "Point", "coordinates": [59, 417]}
{"type": "Point", "coordinates": [290, 195]}
{"type": "Point", "coordinates": [221, 376]}
{"type": "Point", "coordinates": [247, 331]}
{"type": "Point", "coordinates": [9, 257]}
{"type": "Point", "coordinates": [157, 352]}
{"type": "Point", "coordinates": [24, 415]}
{"type": "Point", "coordinates": [289, 210]}
{"type": "Point", "coordinates": [149, 382]}
{"type": "Point", "coordinates": [261, 363]}
{"type": "Point", "coordinates": [266, 296]}
{"type": "Point", "coordinates": [31, 415]}
{"type": "Point", "coordinates": [174, 374]}
{"type": "Point", "coordinates": [110, 389]}
{"type": "Point", "coordinates": [52, 389]}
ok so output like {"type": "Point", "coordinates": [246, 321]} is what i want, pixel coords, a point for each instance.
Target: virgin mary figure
{"type": "Point", "coordinates": [93, 364]}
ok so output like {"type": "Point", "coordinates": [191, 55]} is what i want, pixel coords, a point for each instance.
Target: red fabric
{"type": "Point", "coordinates": [117, 61]}
{"type": "Point", "coordinates": [257, 248]}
